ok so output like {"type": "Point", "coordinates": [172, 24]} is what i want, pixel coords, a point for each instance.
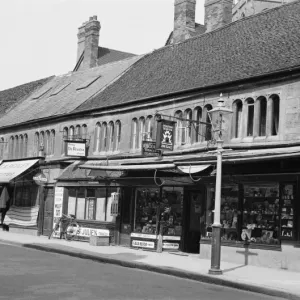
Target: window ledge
{"type": "Point", "coordinates": [236, 140]}
{"type": "Point", "coordinates": [247, 139]}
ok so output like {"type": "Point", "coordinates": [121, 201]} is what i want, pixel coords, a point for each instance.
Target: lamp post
{"type": "Point", "coordinates": [217, 115]}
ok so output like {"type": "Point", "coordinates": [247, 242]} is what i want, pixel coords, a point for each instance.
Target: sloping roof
{"type": "Point", "coordinates": [199, 29]}
{"type": "Point", "coordinates": [258, 45]}
{"type": "Point", "coordinates": [106, 55]}
{"type": "Point", "coordinates": [63, 94]}
{"type": "Point", "coordinates": [10, 97]}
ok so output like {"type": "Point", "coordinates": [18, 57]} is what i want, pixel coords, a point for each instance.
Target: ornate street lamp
{"type": "Point", "coordinates": [219, 118]}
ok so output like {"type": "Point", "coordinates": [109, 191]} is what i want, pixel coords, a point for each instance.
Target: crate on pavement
{"type": "Point", "coordinates": [99, 240]}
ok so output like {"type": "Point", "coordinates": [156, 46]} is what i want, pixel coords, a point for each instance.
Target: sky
{"type": "Point", "coordinates": [39, 37]}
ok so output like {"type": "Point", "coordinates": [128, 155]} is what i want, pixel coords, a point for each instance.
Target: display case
{"type": "Point", "coordinates": [287, 211]}
{"type": "Point", "coordinates": [261, 213]}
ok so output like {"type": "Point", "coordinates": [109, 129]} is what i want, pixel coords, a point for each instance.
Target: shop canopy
{"type": "Point", "coordinates": [11, 169]}
{"type": "Point", "coordinates": [128, 167]}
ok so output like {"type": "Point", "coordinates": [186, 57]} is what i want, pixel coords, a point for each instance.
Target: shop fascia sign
{"type": "Point", "coordinates": [165, 135]}
{"type": "Point", "coordinates": [75, 148]}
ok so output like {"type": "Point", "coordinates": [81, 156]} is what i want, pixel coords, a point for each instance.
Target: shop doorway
{"type": "Point", "coordinates": [194, 221]}
{"type": "Point", "coordinates": [48, 210]}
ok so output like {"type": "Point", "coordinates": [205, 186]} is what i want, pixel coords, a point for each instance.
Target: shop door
{"type": "Point", "coordinates": [126, 217]}
{"type": "Point", "coordinates": [48, 210]}
{"type": "Point", "coordinates": [194, 221]}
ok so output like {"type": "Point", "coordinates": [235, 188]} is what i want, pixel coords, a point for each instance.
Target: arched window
{"type": "Point", "coordinates": [196, 127]}
{"type": "Point", "coordinates": [250, 118]}
{"type": "Point", "coordinates": [16, 147]}
{"type": "Point", "coordinates": [1, 148]}
{"type": "Point", "coordinates": [237, 117]}
{"type": "Point", "coordinates": [71, 133]}
{"type": "Point", "coordinates": [97, 137]}
{"type": "Point", "coordinates": [84, 133]}
{"type": "Point", "coordinates": [77, 132]}
{"type": "Point", "coordinates": [65, 137]}
{"type": "Point", "coordinates": [52, 141]}
{"type": "Point", "coordinates": [141, 132]}
{"type": "Point", "coordinates": [11, 147]}
{"type": "Point", "coordinates": [187, 133]}
{"type": "Point", "coordinates": [274, 114]}
{"type": "Point", "coordinates": [36, 144]}
{"type": "Point", "coordinates": [111, 134]}
{"type": "Point", "coordinates": [104, 137]}
{"type": "Point", "coordinates": [118, 135]}
{"type": "Point", "coordinates": [47, 143]}
{"type": "Point", "coordinates": [21, 146]}
{"type": "Point", "coordinates": [207, 132]}
{"type": "Point", "coordinates": [25, 148]}
{"type": "Point", "coordinates": [42, 141]}
{"type": "Point", "coordinates": [134, 133]}
{"type": "Point", "coordinates": [178, 127]}
{"type": "Point", "coordinates": [262, 106]}
{"type": "Point", "coordinates": [149, 136]}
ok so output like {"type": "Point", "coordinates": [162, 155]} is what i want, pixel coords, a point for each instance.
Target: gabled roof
{"type": "Point", "coordinates": [10, 97]}
{"type": "Point", "coordinates": [254, 46]}
{"type": "Point", "coordinates": [105, 56]}
{"type": "Point", "coordinates": [64, 93]}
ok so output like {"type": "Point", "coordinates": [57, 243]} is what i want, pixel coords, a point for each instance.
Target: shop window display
{"type": "Point", "coordinates": [146, 204]}
{"type": "Point", "coordinates": [151, 207]}
{"type": "Point", "coordinates": [171, 210]}
{"type": "Point", "coordinates": [287, 211]}
{"type": "Point", "coordinates": [230, 212]}
{"type": "Point", "coordinates": [261, 213]}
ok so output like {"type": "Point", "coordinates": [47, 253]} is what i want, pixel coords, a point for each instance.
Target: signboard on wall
{"type": "Point", "coordinates": [40, 179]}
{"type": "Point", "coordinates": [149, 147]}
{"type": "Point", "coordinates": [165, 136]}
{"type": "Point", "coordinates": [143, 244]}
{"type": "Point", "coordinates": [58, 207]}
{"type": "Point", "coordinates": [75, 148]}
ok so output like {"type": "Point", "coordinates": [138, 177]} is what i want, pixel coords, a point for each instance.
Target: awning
{"type": "Point", "coordinates": [128, 167]}
{"type": "Point", "coordinates": [191, 169]}
{"type": "Point", "coordinates": [10, 170]}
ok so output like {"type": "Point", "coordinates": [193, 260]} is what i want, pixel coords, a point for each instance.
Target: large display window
{"type": "Point", "coordinates": [91, 203]}
{"type": "Point", "coordinates": [256, 213]}
{"type": "Point", "coordinates": [157, 211]}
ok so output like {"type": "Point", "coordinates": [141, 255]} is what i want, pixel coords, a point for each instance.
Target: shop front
{"type": "Point", "coordinates": [259, 218]}
{"type": "Point", "coordinates": [85, 194]}
{"type": "Point", "coordinates": [27, 195]}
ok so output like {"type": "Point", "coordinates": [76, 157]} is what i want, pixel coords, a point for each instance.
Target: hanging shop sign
{"type": "Point", "coordinates": [40, 179]}
{"type": "Point", "coordinates": [75, 148]}
{"type": "Point", "coordinates": [149, 147]}
{"type": "Point", "coordinates": [165, 135]}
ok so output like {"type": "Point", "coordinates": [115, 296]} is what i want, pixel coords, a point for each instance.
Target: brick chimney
{"type": "Point", "coordinates": [217, 13]}
{"type": "Point", "coordinates": [184, 19]}
{"type": "Point", "coordinates": [88, 41]}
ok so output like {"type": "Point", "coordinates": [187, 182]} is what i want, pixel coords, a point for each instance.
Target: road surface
{"type": "Point", "coordinates": [27, 274]}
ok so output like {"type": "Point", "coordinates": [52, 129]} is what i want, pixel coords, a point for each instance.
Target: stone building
{"type": "Point", "coordinates": [113, 110]}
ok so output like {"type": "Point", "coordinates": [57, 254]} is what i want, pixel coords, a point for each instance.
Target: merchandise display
{"type": "Point", "coordinates": [171, 210]}
{"type": "Point", "coordinates": [150, 210]}
{"type": "Point", "coordinates": [287, 211]}
{"type": "Point", "coordinates": [261, 213]}
{"type": "Point", "coordinates": [147, 201]}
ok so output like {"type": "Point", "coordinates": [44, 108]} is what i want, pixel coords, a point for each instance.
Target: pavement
{"type": "Point", "coordinates": [273, 282]}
